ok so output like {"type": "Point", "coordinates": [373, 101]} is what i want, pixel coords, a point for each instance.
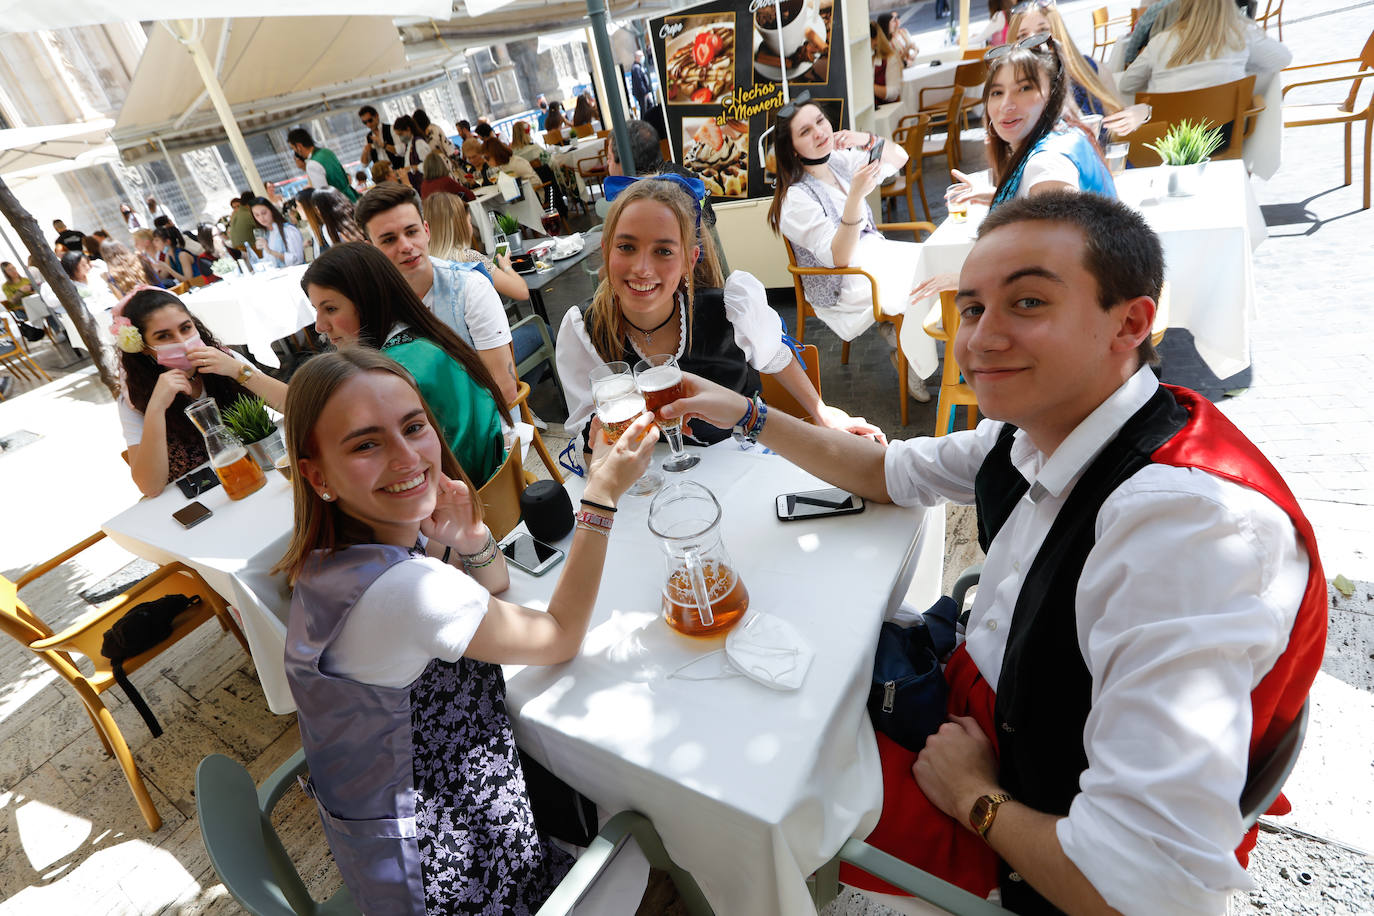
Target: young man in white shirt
{"type": "Point", "coordinates": [390, 216]}
{"type": "Point", "coordinates": [1127, 657]}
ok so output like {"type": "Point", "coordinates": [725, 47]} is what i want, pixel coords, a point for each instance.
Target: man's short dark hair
{"type": "Point", "coordinates": [247, 198]}
{"type": "Point", "coordinates": [382, 198]}
{"type": "Point", "coordinates": [1120, 249]}
{"type": "Point", "coordinates": [483, 130]}
{"type": "Point", "coordinates": [644, 146]}
{"type": "Point", "coordinates": [405, 123]}
{"type": "Point", "coordinates": [58, 222]}
{"type": "Point", "coordinates": [299, 135]}
{"type": "Point", "coordinates": [464, 124]}
{"type": "Point", "coordinates": [367, 110]}
{"type": "Point", "coordinates": [161, 221]}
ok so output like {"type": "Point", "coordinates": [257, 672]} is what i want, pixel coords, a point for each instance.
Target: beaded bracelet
{"type": "Point", "coordinates": [483, 557]}
{"type": "Point", "coordinates": [750, 425]}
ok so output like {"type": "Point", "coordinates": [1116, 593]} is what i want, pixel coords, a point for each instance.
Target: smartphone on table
{"type": "Point", "coordinates": [191, 515]}
{"type": "Point", "coordinates": [818, 504]}
{"type": "Point", "coordinates": [534, 557]}
{"type": "Point", "coordinates": [197, 482]}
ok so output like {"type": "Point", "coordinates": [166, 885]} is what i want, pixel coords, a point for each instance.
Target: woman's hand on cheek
{"type": "Point", "coordinates": [451, 521]}
{"type": "Point", "coordinates": [215, 361]}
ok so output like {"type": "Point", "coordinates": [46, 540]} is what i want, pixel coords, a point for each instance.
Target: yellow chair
{"type": "Point", "coordinates": [522, 393]}
{"type": "Point", "coordinates": [500, 496]}
{"type": "Point", "coordinates": [779, 398]}
{"type": "Point", "coordinates": [1102, 25]}
{"type": "Point", "coordinates": [553, 137]}
{"type": "Point", "coordinates": [13, 357]}
{"type": "Point", "coordinates": [804, 307]}
{"type": "Point", "coordinates": [1272, 10]}
{"type": "Point", "coordinates": [596, 172]}
{"type": "Point", "coordinates": [84, 637]}
{"type": "Point", "coordinates": [1310, 115]}
{"type": "Point", "coordinates": [665, 150]}
{"type": "Point", "coordinates": [1227, 103]}
{"type": "Point", "coordinates": [942, 117]}
{"type": "Point", "coordinates": [912, 138]}
{"type": "Point", "coordinates": [583, 130]}
{"type": "Point", "coordinates": [954, 391]}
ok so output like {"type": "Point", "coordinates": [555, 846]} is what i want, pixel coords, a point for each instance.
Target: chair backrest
{"type": "Point", "coordinates": [583, 130]}
{"type": "Point", "coordinates": [500, 496]}
{"type": "Point", "coordinates": [1224, 104]}
{"type": "Point", "coordinates": [553, 137]}
{"type": "Point", "coordinates": [543, 353]}
{"type": "Point", "coordinates": [665, 150]}
{"type": "Point", "coordinates": [779, 398]}
{"type": "Point", "coordinates": [974, 53]}
{"type": "Point", "coordinates": [1100, 16]}
{"type": "Point", "coordinates": [802, 302]}
{"type": "Point", "coordinates": [1268, 774]}
{"type": "Point", "coordinates": [602, 134]}
{"type": "Point", "coordinates": [949, 320]}
{"type": "Point", "coordinates": [15, 617]}
{"type": "Point", "coordinates": [974, 73]}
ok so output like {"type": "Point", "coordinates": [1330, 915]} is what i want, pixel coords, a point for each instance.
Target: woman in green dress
{"type": "Point", "coordinates": [361, 298]}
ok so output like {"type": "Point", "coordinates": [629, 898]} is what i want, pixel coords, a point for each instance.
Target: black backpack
{"type": "Point", "coordinates": [143, 627]}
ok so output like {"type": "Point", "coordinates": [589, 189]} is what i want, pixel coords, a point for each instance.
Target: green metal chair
{"type": "Point", "coordinates": [236, 825]}
{"type": "Point", "coordinates": [529, 356]}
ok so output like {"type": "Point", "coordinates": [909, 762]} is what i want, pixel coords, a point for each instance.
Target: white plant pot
{"type": "Point", "coordinates": [1186, 180]}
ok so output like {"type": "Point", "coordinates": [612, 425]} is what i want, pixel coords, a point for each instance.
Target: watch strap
{"type": "Point", "coordinates": [245, 373]}
{"type": "Point", "coordinates": [984, 812]}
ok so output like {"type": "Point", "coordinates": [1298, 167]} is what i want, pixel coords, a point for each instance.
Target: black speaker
{"type": "Point", "coordinates": [547, 510]}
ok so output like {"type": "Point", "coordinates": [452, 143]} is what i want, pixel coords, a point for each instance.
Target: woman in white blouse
{"type": "Point", "coordinates": [283, 244]}
{"type": "Point", "coordinates": [651, 301]}
{"type": "Point", "coordinates": [1209, 43]}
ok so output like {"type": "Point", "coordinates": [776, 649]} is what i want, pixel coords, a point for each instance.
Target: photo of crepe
{"type": "Point", "coordinates": [701, 58]}
{"type": "Point", "coordinates": [719, 154]}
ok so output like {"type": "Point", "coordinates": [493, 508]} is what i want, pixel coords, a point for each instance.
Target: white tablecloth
{"type": "Point", "coordinates": [1208, 240]}
{"type": "Point", "coordinates": [751, 789]}
{"type": "Point", "coordinates": [914, 79]}
{"type": "Point", "coordinates": [588, 147]}
{"type": "Point", "coordinates": [254, 310]}
{"type": "Point", "coordinates": [528, 211]}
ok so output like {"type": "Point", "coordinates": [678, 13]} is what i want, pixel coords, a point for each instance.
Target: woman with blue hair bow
{"type": "Point", "coordinates": [662, 293]}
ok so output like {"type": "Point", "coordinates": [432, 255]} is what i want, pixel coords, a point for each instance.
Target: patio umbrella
{"type": "Point", "coordinates": [28, 152]}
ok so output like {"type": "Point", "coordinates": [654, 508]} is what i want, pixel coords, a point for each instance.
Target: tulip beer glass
{"type": "Point", "coordinates": [618, 402]}
{"type": "Point", "coordinates": [660, 381]}
{"type": "Point", "coordinates": [703, 595]}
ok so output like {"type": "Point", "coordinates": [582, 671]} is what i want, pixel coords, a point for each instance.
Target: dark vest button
{"type": "Point", "coordinates": [1006, 727]}
{"type": "Point", "coordinates": [1013, 876]}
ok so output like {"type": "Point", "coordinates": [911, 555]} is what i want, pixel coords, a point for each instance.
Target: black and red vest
{"type": "Point", "coordinates": [1045, 688]}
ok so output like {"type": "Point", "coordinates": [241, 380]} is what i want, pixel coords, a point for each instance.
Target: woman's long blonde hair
{"type": "Point", "coordinates": [1074, 62]}
{"type": "Point", "coordinates": [321, 525]}
{"type": "Point", "coordinates": [1206, 29]}
{"type": "Point", "coordinates": [520, 135]}
{"type": "Point", "coordinates": [607, 326]}
{"type": "Point", "coordinates": [450, 233]}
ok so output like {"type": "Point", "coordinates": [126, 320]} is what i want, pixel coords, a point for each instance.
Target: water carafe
{"type": "Point", "coordinates": [703, 594]}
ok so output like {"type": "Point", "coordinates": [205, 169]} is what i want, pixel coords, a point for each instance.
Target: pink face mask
{"type": "Point", "coordinates": [173, 355]}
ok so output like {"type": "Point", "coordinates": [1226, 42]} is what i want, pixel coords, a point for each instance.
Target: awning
{"type": "Point", "coordinates": [28, 152]}
{"type": "Point", "coordinates": [27, 16]}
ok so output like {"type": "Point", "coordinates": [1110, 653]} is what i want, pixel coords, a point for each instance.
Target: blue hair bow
{"type": "Point", "coordinates": [613, 185]}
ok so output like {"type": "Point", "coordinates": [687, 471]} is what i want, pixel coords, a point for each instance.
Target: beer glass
{"type": "Point", "coordinates": [618, 403]}
{"type": "Point", "coordinates": [703, 595]}
{"type": "Point", "coordinates": [234, 467]}
{"type": "Point", "coordinates": [660, 381]}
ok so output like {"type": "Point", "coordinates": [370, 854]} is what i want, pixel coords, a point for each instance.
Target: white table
{"type": "Point", "coordinates": [914, 79]}
{"type": "Point", "coordinates": [750, 788]}
{"type": "Point", "coordinates": [254, 310]}
{"type": "Point", "coordinates": [528, 211]}
{"type": "Point", "coordinates": [1208, 240]}
{"type": "Point", "coordinates": [568, 157]}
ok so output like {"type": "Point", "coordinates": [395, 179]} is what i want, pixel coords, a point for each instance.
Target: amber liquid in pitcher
{"type": "Point", "coordinates": [729, 600]}
{"type": "Point", "coordinates": [239, 473]}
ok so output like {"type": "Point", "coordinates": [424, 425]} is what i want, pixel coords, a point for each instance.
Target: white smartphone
{"type": "Point", "coordinates": [502, 249]}
{"type": "Point", "coordinates": [817, 504]}
{"type": "Point", "coordinates": [534, 557]}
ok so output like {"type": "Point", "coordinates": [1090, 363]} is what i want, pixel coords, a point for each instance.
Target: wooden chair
{"type": "Point", "coordinates": [948, 118]}
{"type": "Point", "coordinates": [595, 173]}
{"type": "Point", "coordinates": [1346, 112]}
{"type": "Point", "coordinates": [602, 134]}
{"type": "Point", "coordinates": [84, 637]}
{"type": "Point", "coordinates": [1228, 103]}
{"type": "Point", "coordinates": [804, 307]}
{"type": "Point", "coordinates": [583, 130]}
{"type": "Point", "coordinates": [14, 358]}
{"type": "Point", "coordinates": [553, 137]}
{"type": "Point", "coordinates": [665, 150]}
{"type": "Point", "coordinates": [500, 496]}
{"type": "Point", "coordinates": [1102, 25]}
{"type": "Point", "coordinates": [912, 138]}
{"type": "Point", "coordinates": [521, 400]}
{"type": "Point", "coordinates": [968, 77]}
{"type": "Point", "coordinates": [779, 398]}
{"type": "Point", "coordinates": [954, 391]}
{"type": "Point", "coordinates": [1272, 10]}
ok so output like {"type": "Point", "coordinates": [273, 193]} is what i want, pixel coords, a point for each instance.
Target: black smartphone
{"type": "Point", "coordinates": [818, 504]}
{"type": "Point", "coordinates": [534, 557]}
{"type": "Point", "coordinates": [192, 515]}
{"type": "Point", "coordinates": [877, 152]}
{"type": "Point", "coordinates": [197, 482]}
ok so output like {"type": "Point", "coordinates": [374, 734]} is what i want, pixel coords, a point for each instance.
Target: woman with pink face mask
{"type": "Point", "coordinates": [169, 359]}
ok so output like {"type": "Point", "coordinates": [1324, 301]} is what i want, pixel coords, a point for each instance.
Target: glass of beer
{"type": "Point", "coordinates": [660, 381]}
{"type": "Point", "coordinates": [703, 594]}
{"type": "Point", "coordinates": [618, 402]}
{"type": "Point", "coordinates": [958, 209]}
{"type": "Point", "coordinates": [234, 467]}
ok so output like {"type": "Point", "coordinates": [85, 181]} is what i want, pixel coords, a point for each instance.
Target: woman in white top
{"type": "Point", "coordinates": [819, 206]}
{"type": "Point", "coordinates": [499, 156]}
{"type": "Point", "coordinates": [284, 244]}
{"type": "Point", "coordinates": [651, 302]}
{"type": "Point", "coordinates": [1208, 44]}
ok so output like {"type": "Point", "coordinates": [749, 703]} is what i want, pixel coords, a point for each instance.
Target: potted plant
{"type": "Point", "coordinates": [1186, 148]}
{"type": "Point", "coordinates": [247, 418]}
{"type": "Point", "coordinates": [511, 227]}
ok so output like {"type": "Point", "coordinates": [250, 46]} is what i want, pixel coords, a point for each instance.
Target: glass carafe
{"type": "Point", "coordinates": [204, 414]}
{"type": "Point", "coordinates": [703, 594]}
{"type": "Point", "coordinates": [233, 465]}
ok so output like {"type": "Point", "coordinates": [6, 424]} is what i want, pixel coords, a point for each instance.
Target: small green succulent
{"type": "Point", "coordinates": [247, 418]}
{"type": "Point", "coordinates": [1188, 143]}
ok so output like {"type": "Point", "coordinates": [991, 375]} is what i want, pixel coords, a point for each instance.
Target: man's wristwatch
{"type": "Point", "coordinates": [985, 812]}
{"type": "Point", "coordinates": [245, 373]}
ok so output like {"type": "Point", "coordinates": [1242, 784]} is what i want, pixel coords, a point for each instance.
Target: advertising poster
{"type": "Point", "coordinates": [722, 66]}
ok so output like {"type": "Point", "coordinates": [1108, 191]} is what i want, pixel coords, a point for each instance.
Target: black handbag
{"type": "Point", "coordinates": [908, 698]}
{"type": "Point", "coordinates": [141, 629]}
{"type": "Point", "coordinates": [31, 333]}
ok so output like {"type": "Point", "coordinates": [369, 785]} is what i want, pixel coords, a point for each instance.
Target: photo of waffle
{"type": "Point", "coordinates": [719, 154]}
{"type": "Point", "coordinates": [801, 46]}
{"type": "Point", "coordinates": [701, 58]}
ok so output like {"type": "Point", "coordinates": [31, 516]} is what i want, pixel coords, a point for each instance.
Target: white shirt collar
{"type": "Point", "coordinates": [1053, 475]}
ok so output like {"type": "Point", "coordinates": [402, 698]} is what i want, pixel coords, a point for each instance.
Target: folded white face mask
{"type": "Point", "coordinates": [769, 650]}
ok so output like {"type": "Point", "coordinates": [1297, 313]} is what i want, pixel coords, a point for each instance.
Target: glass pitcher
{"type": "Point", "coordinates": [234, 467]}
{"type": "Point", "coordinates": [204, 415]}
{"type": "Point", "coordinates": [703, 595]}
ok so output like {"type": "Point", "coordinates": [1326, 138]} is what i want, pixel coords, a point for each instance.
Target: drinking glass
{"type": "Point", "coordinates": [1116, 157]}
{"type": "Point", "coordinates": [618, 403]}
{"type": "Point", "coordinates": [660, 381]}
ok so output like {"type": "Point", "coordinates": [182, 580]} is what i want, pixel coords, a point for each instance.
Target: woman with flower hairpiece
{"type": "Point", "coordinates": [168, 359]}
{"type": "Point", "coordinates": [652, 301]}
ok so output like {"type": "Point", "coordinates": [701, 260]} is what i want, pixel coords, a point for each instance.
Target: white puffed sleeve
{"type": "Point", "coordinates": [758, 329]}
{"type": "Point", "coordinates": [575, 357]}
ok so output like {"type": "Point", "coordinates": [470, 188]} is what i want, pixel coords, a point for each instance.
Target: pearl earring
{"type": "Point", "coordinates": [325, 495]}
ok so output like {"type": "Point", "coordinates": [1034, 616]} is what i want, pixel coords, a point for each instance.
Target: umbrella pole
{"type": "Point", "coordinates": [596, 11]}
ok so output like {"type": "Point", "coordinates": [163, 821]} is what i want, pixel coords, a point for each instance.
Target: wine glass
{"type": "Point", "coordinates": [618, 403]}
{"type": "Point", "coordinates": [660, 381]}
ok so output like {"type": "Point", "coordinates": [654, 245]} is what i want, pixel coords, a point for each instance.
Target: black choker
{"type": "Point", "coordinates": [821, 161]}
{"type": "Point", "coordinates": [649, 334]}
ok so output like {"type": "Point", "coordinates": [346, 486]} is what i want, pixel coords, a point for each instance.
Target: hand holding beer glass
{"type": "Point", "coordinates": [660, 381]}
{"type": "Point", "coordinates": [618, 402]}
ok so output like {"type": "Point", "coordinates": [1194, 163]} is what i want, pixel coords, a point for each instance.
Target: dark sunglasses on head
{"type": "Point", "coordinates": [798, 100]}
{"type": "Point", "coordinates": [1028, 5]}
{"type": "Point", "coordinates": [1034, 42]}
